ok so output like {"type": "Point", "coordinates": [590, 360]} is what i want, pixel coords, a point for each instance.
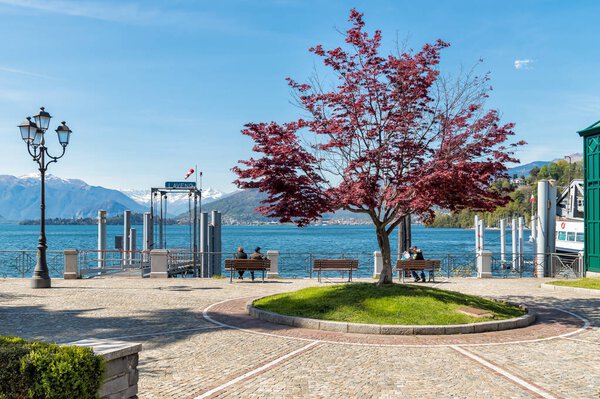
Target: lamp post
{"type": "Point", "coordinates": [32, 133]}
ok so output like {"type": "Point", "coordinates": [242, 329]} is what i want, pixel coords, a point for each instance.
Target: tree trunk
{"type": "Point", "coordinates": [383, 240]}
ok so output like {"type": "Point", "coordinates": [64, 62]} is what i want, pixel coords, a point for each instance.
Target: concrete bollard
{"type": "Point", "coordinates": [71, 271]}
{"type": "Point", "coordinates": [273, 256]}
{"type": "Point", "coordinates": [484, 264]}
{"type": "Point", "coordinates": [158, 263]}
{"type": "Point", "coordinates": [377, 264]}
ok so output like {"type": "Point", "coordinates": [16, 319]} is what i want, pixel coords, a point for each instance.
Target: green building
{"type": "Point", "coordinates": [591, 182]}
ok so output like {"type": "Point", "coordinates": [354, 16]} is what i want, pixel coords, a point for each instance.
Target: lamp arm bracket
{"type": "Point", "coordinates": [54, 159]}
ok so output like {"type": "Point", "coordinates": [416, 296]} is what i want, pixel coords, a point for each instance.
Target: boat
{"type": "Point", "coordinates": [569, 219]}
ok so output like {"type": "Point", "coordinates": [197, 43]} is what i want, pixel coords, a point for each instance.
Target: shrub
{"type": "Point", "coordinates": [42, 370]}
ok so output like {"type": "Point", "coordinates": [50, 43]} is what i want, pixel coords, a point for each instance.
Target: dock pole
{"type": "Point", "coordinates": [101, 239]}
{"type": "Point", "coordinates": [126, 236]}
{"type": "Point", "coordinates": [502, 241]}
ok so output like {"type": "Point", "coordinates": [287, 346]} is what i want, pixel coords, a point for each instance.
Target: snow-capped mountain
{"type": "Point", "coordinates": [177, 202]}
{"type": "Point", "coordinates": [65, 198]}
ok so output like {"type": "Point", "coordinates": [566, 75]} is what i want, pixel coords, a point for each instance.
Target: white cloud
{"type": "Point", "coordinates": [524, 64]}
{"type": "Point", "coordinates": [127, 12]}
{"type": "Point", "coordinates": [23, 72]}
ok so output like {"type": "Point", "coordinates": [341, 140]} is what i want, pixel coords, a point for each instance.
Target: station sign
{"type": "Point", "coordinates": [180, 184]}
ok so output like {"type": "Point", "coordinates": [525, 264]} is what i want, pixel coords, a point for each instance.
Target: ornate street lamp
{"type": "Point", "coordinates": [32, 133]}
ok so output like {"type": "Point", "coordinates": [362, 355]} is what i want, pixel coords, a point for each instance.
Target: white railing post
{"type": "Point", "coordinates": [158, 263]}
{"type": "Point", "coordinates": [273, 256]}
{"type": "Point", "coordinates": [71, 271]}
{"type": "Point", "coordinates": [377, 264]}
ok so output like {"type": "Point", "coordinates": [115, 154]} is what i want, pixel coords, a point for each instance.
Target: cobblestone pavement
{"type": "Point", "coordinates": [199, 343]}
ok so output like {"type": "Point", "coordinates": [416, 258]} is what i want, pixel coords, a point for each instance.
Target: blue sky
{"type": "Point", "coordinates": [151, 88]}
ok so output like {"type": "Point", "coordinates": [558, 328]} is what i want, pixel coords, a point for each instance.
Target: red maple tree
{"type": "Point", "coordinates": [391, 139]}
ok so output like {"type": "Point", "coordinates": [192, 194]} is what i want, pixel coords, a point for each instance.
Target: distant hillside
{"type": "Point", "coordinates": [523, 170]}
{"type": "Point", "coordinates": [239, 208]}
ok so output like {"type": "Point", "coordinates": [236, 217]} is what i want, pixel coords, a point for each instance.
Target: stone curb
{"type": "Point", "coordinates": [552, 287]}
{"type": "Point", "coordinates": [358, 328]}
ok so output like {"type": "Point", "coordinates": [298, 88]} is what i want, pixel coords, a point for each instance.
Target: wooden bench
{"type": "Point", "coordinates": [342, 265]}
{"type": "Point", "coordinates": [236, 265]}
{"type": "Point", "coordinates": [411, 264]}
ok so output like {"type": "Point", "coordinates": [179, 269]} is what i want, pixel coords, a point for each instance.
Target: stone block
{"type": "Point", "coordinates": [133, 377]}
{"type": "Point", "coordinates": [117, 384]}
{"type": "Point", "coordinates": [303, 322]}
{"type": "Point", "coordinates": [333, 326]}
{"type": "Point", "coordinates": [485, 327]}
{"type": "Point", "coordinates": [133, 360]}
{"type": "Point", "coordinates": [507, 325]}
{"type": "Point", "coordinates": [116, 367]}
{"type": "Point", "coordinates": [364, 328]}
{"type": "Point", "coordinates": [396, 330]}
{"type": "Point", "coordinates": [284, 319]}
{"type": "Point", "coordinates": [459, 329]}
{"type": "Point", "coordinates": [428, 330]}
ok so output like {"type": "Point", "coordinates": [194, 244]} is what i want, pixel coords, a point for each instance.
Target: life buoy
{"type": "Point", "coordinates": [562, 225]}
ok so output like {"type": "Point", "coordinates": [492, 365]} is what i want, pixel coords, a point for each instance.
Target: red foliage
{"type": "Point", "coordinates": [386, 141]}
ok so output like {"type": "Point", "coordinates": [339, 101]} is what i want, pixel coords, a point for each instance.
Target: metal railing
{"type": "Point", "coordinates": [95, 262]}
{"type": "Point", "coordinates": [20, 263]}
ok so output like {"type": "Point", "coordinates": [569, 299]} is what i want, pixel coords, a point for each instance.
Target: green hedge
{"type": "Point", "coordinates": [39, 370]}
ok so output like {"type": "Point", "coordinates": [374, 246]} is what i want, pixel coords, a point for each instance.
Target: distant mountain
{"type": "Point", "coordinates": [177, 202]}
{"type": "Point", "coordinates": [523, 170]}
{"type": "Point", "coordinates": [65, 198]}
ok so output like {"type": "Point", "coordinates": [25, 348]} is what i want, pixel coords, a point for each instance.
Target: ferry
{"type": "Point", "coordinates": [569, 219]}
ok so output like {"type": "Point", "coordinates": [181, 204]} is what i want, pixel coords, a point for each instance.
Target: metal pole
{"type": "Point", "coordinates": [542, 236]}
{"type": "Point", "coordinates": [513, 228]}
{"type": "Point", "coordinates": [216, 222]}
{"type": "Point", "coordinates": [482, 235]}
{"type": "Point", "coordinates": [195, 243]}
{"type": "Point", "coordinates": [477, 248]}
{"type": "Point", "coordinates": [204, 243]}
{"type": "Point", "coordinates": [502, 241]}
{"type": "Point", "coordinates": [520, 261]}
{"type": "Point", "coordinates": [132, 245]}
{"type": "Point", "coordinates": [147, 234]}
{"type": "Point", "coordinates": [160, 223]}
{"type": "Point", "coordinates": [101, 239]}
{"type": "Point", "coordinates": [41, 276]}
{"type": "Point", "coordinates": [126, 236]}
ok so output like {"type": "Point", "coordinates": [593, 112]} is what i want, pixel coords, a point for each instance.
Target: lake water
{"type": "Point", "coordinates": [359, 240]}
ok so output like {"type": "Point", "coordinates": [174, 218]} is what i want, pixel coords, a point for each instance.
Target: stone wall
{"type": "Point", "coordinates": [121, 375]}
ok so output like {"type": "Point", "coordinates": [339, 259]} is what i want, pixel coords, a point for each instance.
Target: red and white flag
{"type": "Point", "coordinates": [189, 173]}
{"type": "Point", "coordinates": [532, 199]}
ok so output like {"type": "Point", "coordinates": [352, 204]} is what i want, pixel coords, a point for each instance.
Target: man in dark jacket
{"type": "Point", "coordinates": [240, 254]}
{"type": "Point", "coordinates": [256, 255]}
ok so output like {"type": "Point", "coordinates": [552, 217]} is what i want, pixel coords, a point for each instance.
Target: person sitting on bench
{"type": "Point", "coordinates": [240, 254]}
{"type": "Point", "coordinates": [417, 254]}
{"type": "Point", "coordinates": [256, 255]}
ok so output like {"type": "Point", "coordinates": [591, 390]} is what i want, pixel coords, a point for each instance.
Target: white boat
{"type": "Point", "coordinates": [569, 219]}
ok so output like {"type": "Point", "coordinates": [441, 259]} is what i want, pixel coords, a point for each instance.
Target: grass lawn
{"type": "Point", "coordinates": [393, 304]}
{"type": "Point", "coordinates": [591, 283]}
